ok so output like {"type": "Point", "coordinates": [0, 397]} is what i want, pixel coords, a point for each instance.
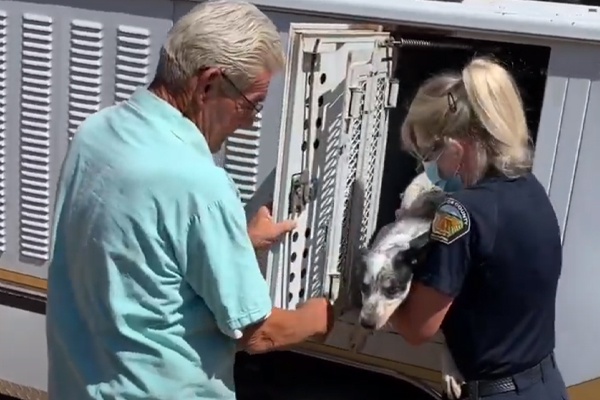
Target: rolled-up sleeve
{"type": "Point", "coordinates": [223, 269]}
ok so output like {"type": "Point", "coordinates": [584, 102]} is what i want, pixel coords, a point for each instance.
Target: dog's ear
{"type": "Point", "coordinates": [419, 242]}
{"type": "Point", "coordinates": [417, 251]}
{"type": "Point", "coordinates": [360, 261]}
{"type": "Point", "coordinates": [436, 198]}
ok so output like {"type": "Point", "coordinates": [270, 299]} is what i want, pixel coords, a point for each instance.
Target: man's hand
{"type": "Point", "coordinates": [263, 231]}
{"type": "Point", "coordinates": [319, 315]}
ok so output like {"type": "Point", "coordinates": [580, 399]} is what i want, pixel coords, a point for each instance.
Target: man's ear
{"type": "Point", "coordinates": [206, 77]}
{"type": "Point", "coordinates": [419, 242]}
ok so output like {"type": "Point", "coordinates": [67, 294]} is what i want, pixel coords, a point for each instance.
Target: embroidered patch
{"type": "Point", "coordinates": [451, 222]}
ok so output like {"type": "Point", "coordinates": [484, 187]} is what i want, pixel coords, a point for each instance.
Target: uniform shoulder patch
{"type": "Point", "coordinates": [451, 222]}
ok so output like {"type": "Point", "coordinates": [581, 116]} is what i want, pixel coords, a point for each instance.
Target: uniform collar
{"type": "Point", "coordinates": [155, 108]}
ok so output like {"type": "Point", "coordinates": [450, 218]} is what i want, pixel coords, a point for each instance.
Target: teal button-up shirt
{"type": "Point", "coordinates": [153, 275]}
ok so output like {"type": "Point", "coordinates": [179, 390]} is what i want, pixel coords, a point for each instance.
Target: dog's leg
{"type": "Point", "coordinates": [451, 377]}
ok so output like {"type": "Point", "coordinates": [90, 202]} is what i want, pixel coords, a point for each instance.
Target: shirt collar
{"type": "Point", "coordinates": [155, 108]}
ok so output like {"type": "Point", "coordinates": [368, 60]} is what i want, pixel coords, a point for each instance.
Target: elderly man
{"type": "Point", "coordinates": [154, 280]}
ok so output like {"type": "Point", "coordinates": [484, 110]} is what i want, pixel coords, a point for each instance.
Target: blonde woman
{"type": "Point", "coordinates": [495, 253]}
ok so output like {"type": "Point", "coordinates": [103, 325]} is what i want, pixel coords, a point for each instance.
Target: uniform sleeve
{"type": "Point", "coordinates": [223, 269]}
{"type": "Point", "coordinates": [449, 254]}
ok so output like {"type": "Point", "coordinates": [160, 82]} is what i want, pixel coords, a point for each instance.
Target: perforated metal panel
{"type": "Point", "coordinates": [368, 132]}
{"type": "Point", "coordinates": [374, 150]}
{"type": "Point", "coordinates": [355, 136]}
{"type": "Point", "coordinates": [324, 128]}
{"type": "Point", "coordinates": [58, 65]}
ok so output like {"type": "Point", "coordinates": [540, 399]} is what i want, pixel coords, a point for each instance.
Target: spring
{"type": "Point", "coordinates": [426, 43]}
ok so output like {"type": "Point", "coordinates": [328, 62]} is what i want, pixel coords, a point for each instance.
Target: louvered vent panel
{"type": "Point", "coordinates": [85, 71]}
{"type": "Point", "coordinates": [36, 80]}
{"type": "Point", "coordinates": [133, 60]}
{"type": "Point", "coordinates": [241, 159]}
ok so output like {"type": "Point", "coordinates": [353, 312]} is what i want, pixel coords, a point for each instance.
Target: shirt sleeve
{"type": "Point", "coordinates": [449, 254]}
{"type": "Point", "coordinates": [223, 269]}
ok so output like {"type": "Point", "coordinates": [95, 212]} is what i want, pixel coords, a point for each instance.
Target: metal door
{"type": "Point", "coordinates": [330, 135]}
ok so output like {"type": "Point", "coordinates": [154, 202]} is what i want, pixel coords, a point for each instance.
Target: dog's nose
{"type": "Point", "coordinates": [365, 323]}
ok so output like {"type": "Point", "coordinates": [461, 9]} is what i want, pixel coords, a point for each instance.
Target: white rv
{"type": "Point", "coordinates": [325, 148]}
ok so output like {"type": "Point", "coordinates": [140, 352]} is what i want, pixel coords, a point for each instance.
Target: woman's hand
{"type": "Point", "coordinates": [263, 231]}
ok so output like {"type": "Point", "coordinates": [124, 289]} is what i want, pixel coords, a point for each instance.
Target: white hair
{"type": "Point", "coordinates": [230, 34]}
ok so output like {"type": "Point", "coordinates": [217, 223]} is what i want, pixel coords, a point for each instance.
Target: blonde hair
{"type": "Point", "coordinates": [230, 34]}
{"type": "Point", "coordinates": [482, 104]}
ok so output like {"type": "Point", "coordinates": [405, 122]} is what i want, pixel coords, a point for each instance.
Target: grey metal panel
{"type": "Point", "coordinates": [59, 63]}
{"type": "Point", "coordinates": [504, 17]}
{"type": "Point", "coordinates": [562, 122]}
{"type": "Point", "coordinates": [567, 163]}
{"type": "Point", "coordinates": [550, 123]}
{"type": "Point", "coordinates": [575, 187]}
{"type": "Point", "coordinates": [575, 103]}
{"type": "Point", "coordinates": [23, 348]}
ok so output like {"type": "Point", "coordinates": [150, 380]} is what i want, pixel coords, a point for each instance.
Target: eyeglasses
{"type": "Point", "coordinates": [257, 107]}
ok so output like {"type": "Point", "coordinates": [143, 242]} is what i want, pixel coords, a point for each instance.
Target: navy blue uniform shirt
{"type": "Point", "coordinates": [496, 250]}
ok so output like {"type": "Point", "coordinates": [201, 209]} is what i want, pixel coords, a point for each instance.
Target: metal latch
{"type": "Point", "coordinates": [302, 191]}
{"type": "Point", "coordinates": [355, 107]}
{"type": "Point", "coordinates": [334, 289]}
{"type": "Point", "coordinates": [393, 86]}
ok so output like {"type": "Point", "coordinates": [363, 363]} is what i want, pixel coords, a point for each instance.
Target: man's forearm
{"type": "Point", "coordinates": [283, 328]}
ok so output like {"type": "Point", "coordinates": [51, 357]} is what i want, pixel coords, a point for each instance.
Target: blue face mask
{"type": "Point", "coordinates": [433, 174]}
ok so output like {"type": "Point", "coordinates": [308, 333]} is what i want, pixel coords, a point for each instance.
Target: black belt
{"type": "Point", "coordinates": [476, 389]}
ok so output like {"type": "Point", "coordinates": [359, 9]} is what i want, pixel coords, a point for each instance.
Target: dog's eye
{"type": "Point", "coordinates": [364, 288]}
{"type": "Point", "coordinates": [392, 290]}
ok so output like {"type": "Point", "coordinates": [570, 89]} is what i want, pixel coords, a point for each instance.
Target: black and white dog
{"type": "Point", "coordinates": [387, 266]}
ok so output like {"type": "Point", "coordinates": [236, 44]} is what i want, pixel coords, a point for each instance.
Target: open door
{"type": "Point", "coordinates": [332, 140]}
